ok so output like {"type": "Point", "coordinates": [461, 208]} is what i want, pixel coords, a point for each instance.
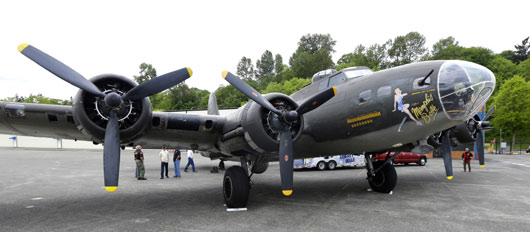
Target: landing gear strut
{"type": "Point", "coordinates": [382, 175]}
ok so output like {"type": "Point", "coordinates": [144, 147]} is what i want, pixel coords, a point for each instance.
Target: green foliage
{"type": "Point", "coordinates": [316, 42]}
{"type": "Point", "coordinates": [522, 51]}
{"type": "Point", "coordinates": [147, 72]}
{"type": "Point", "coordinates": [509, 55]}
{"type": "Point", "coordinates": [245, 68]}
{"type": "Point", "coordinates": [443, 45]}
{"type": "Point", "coordinates": [313, 55]}
{"type": "Point", "coordinates": [373, 57]}
{"type": "Point", "coordinates": [287, 87]}
{"type": "Point", "coordinates": [478, 55]}
{"type": "Point", "coordinates": [278, 64]}
{"type": "Point", "coordinates": [38, 99]}
{"type": "Point", "coordinates": [523, 69]}
{"type": "Point", "coordinates": [229, 97]}
{"type": "Point", "coordinates": [181, 97]}
{"type": "Point", "coordinates": [408, 48]}
{"type": "Point", "coordinates": [502, 68]}
{"type": "Point", "coordinates": [512, 103]}
{"type": "Point", "coordinates": [265, 65]}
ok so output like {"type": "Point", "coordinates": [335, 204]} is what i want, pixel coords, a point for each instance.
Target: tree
{"type": "Point", "coordinates": [479, 55]}
{"type": "Point", "coordinates": [265, 65]}
{"type": "Point", "coordinates": [278, 64]}
{"type": "Point", "coordinates": [316, 42]}
{"type": "Point", "coordinates": [147, 72]}
{"type": "Point", "coordinates": [502, 68]}
{"type": "Point", "coordinates": [312, 55]}
{"type": "Point", "coordinates": [443, 44]}
{"type": "Point", "coordinates": [522, 51]}
{"type": "Point", "coordinates": [508, 54]}
{"type": "Point", "coordinates": [229, 97]}
{"type": "Point", "coordinates": [245, 68]}
{"type": "Point", "coordinates": [523, 69]}
{"type": "Point", "coordinates": [287, 87]}
{"type": "Point", "coordinates": [407, 49]}
{"type": "Point", "coordinates": [512, 112]}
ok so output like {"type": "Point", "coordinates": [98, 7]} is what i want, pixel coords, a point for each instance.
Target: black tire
{"type": "Point", "coordinates": [422, 162]}
{"type": "Point", "coordinates": [221, 165]}
{"type": "Point", "coordinates": [385, 180]}
{"type": "Point", "coordinates": [236, 187]}
{"type": "Point", "coordinates": [332, 165]}
{"type": "Point", "coordinates": [321, 166]}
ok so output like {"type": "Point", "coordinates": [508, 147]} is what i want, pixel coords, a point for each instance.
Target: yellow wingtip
{"type": "Point", "coordinates": [450, 177]}
{"type": "Point", "coordinates": [481, 166]}
{"type": "Point", "coordinates": [334, 90]}
{"type": "Point", "coordinates": [189, 71]}
{"type": "Point", "coordinates": [111, 188]}
{"type": "Point", "coordinates": [225, 73]}
{"type": "Point", "coordinates": [287, 192]}
{"type": "Point", "coordinates": [22, 47]}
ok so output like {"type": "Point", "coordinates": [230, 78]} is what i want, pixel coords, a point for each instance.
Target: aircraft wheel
{"type": "Point", "coordinates": [236, 187]}
{"type": "Point", "coordinates": [321, 166]}
{"type": "Point", "coordinates": [332, 165]}
{"type": "Point", "coordinates": [385, 180]}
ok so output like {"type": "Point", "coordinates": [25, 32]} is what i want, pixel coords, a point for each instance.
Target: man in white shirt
{"type": "Point", "coordinates": [164, 160]}
{"type": "Point", "coordinates": [190, 161]}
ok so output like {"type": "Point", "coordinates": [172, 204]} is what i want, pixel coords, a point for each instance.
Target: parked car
{"type": "Point", "coordinates": [330, 162]}
{"type": "Point", "coordinates": [406, 158]}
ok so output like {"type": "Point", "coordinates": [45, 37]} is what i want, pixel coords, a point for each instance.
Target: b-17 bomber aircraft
{"type": "Point", "coordinates": [414, 107]}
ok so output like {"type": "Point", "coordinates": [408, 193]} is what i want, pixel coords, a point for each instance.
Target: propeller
{"type": "Point", "coordinates": [111, 149]}
{"type": "Point", "coordinates": [281, 123]}
{"type": "Point", "coordinates": [446, 153]}
{"type": "Point", "coordinates": [479, 127]}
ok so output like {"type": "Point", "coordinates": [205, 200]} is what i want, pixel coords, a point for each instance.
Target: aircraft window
{"type": "Point", "coordinates": [383, 91]}
{"type": "Point", "coordinates": [339, 78]}
{"type": "Point", "coordinates": [427, 84]}
{"type": "Point", "coordinates": [323, 84]}
{"type": "Point", "coordinates": [365, 96]}
{"type": "Point", "coordinates": [358, 73]}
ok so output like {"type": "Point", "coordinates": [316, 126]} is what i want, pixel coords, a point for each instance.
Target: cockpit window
{"type": "Point", "coordinates": [357, 72]}
{"type": "Point", "coordinates": [337, 79]}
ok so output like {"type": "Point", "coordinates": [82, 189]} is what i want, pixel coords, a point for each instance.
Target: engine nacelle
{"type": "Point", "coordinates": [257, 123]}
{"type": "Point", "coordinates": [91, 113]}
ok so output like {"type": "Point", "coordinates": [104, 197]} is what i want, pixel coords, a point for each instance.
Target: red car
{"type": "Point", "coordinates": [406, 158]}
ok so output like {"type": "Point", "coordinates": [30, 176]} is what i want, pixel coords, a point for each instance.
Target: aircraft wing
{"type": "Point", "coordinates": [39, 120]}
{"type": "Point", "coordinates": [165, 128]}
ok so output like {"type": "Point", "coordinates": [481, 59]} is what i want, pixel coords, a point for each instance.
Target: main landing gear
{"type": "Point", "coordinates": [236, 186]}
{"type": "Point", "coordinates": [382, 175]}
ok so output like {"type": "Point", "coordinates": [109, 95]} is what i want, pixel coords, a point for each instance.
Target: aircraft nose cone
{"type": "Point", "coordinates": [464, 88]}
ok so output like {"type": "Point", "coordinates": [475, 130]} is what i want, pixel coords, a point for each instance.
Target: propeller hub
{"type": "Point", "coordinates": [290, 116]}
{"type": "Point", "coordinates": [113, 99]}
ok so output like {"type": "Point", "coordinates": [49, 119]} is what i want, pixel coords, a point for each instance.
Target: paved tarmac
{"type": "Point", "coordinates": [50, 190]}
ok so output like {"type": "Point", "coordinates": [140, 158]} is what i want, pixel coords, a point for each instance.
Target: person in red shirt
{"type": "Point", "coordinates": [466, 157]}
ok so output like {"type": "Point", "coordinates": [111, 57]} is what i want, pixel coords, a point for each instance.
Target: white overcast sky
{"type": "Point", "coordinates": [96, 37]}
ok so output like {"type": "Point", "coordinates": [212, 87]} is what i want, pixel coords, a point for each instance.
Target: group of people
{"type": "Point", "coordinates": [164, 162]}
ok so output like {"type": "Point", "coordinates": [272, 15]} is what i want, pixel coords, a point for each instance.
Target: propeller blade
{"type": "Point", "coordinates": [446, 152]}
{"type": "Point", "coordinates": [158, 84]}
{"type": "Point", "coordinates": [492, 109]}
{"type": "Point", "coordinates": [250, 92]}
{"type": "Point", "coordinates": [59, 69]}
{"type": "Point", "coordinates": [480, 148]}
{"type": "Point", "coordinates": [286, 161]}
{"type": "Point", "coordinates": [316, 100]}
{"type": "Point", "coordinates": [111, 153]}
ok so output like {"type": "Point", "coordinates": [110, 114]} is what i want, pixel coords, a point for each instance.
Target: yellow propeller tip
{"type": "Point", "coordinates": [450, 177]}
{"type": "Point", "coordinates": [225, 73]}
{"type": "Point", "coordinates": [334, 90]}
{"type": "Point", "coordinates": [189, 71]}
{"type": "Point", "coordinates": [22, 47]}
{"type": "Point", "coordinates": [481, 166]}
{"type": "Point", "coordinates": [111, 188]}
{"type": "Point", "coordinates": [287, 192]}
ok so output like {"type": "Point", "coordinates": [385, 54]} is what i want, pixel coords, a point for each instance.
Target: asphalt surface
{"type": "Point", "coordinates": [50, 190]}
